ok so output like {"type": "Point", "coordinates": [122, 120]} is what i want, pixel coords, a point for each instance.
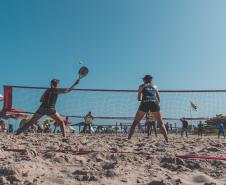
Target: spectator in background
{"type": "Point", "coordinates": [39, 128]}
{"type": "Point", "coordinates": [2, 126]}
{"type": "Point", "coordinates": [184, 127]}
{"type": "Point", "coordinates": [10, 130]}
{"type": "Point", "coordinates": [221, 129]}
{"type": "Point", "coordinates": [123, 128]}
{"type": "Point", "coordinates": [176, 128]}
{"type": "Point", "coordinates": [150, 123]}
{"type": "Point", "coordinates": [200, 129]}
{"type": "Point", "coordinates": [32, 129]}
{"type": "Point", "coordinates": [167, 127]}
{"type": "Point", "coordinates": [88, 123]}
{"type": "Point", "coordinates": [171, 127]}
{"type": "Point", "coordinates": [47, 128]}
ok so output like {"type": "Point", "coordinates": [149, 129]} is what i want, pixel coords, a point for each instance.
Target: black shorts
{"type": "Point", "coordinates": [149, 106]}
{"type": "Point", "coordinates": [46, 111]}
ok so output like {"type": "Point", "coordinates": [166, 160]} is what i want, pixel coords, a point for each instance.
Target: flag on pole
{"type": "Point", "coordinates": [193, 106]}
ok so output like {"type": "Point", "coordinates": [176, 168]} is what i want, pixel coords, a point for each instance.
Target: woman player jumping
{"type": "Point", "coordinates": [149, 96]}
{"type": "Point", "coordinates": [47, 107]}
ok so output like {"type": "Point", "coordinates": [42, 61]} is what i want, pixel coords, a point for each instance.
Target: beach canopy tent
{"type": "Point", "coordinates": [47, 121]}
{"type": "Point", "coordinates": [1, 97]}
{"type": "Point", "coordinates": [66, 122]}
{"type": "Point", "coordinates": [13, 113]}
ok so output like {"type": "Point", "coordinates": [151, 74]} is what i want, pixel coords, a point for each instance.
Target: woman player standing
{"type": "Point", "coordinates": [149, 96]}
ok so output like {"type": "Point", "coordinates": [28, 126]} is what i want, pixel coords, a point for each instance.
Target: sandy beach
{"type": "Point", "coordinates": [46, 160]}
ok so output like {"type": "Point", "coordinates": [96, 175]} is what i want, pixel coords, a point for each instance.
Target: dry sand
{"type": "Point", "coordinates": [159, 167]}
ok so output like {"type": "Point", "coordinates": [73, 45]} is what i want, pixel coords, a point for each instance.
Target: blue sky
{"type": "Point", "coordinates": [182, 43]}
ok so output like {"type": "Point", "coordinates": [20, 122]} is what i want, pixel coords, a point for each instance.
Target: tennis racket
{"type": "Point", "coordinates": [83, 72]}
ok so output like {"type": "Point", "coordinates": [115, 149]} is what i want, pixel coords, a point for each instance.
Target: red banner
{"type": "Point", "coordinates": [8, 96]}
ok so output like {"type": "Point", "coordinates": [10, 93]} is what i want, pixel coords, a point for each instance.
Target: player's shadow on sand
{"type": "Point", "coordinates": [156, 183]}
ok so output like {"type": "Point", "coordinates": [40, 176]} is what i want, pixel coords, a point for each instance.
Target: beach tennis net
{"type": "Point", "coordinates": [111, 106]}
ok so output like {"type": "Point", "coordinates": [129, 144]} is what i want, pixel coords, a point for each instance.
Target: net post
{"type": "Point", "coordinates": [8, 94]}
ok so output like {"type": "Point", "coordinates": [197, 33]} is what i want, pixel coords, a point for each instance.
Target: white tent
{"type": "Point", "coordinates": [1, 97]}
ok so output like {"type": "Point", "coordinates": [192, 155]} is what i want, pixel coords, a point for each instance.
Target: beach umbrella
{"type": "Point", "coordinates": [14, 113]}
{"type": "Point", "coordinates": [1, 97]}
{"type": "Point", "coordinates": [70, 128]}
{"type": "Point", "coordinates": [66, 122]}
{"type": "Point", "coordinates": [78, 124]}
{"type": "Point", "coordinates": [47, 121]}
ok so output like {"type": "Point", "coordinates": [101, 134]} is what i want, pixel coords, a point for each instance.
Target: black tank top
{"type": "Point", "coordinates": [149, 92]}
{"type": "Point", "coordinates": [49, 98]}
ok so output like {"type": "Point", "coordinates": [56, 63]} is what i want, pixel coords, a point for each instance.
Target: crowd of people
{"type": "Point", "coordinates": [150, 127]}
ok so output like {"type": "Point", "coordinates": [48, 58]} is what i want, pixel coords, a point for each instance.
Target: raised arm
{"type": "Point", "coordinates": [73, 85]}
{"type": "Point", "coordinates": [67, 90]}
